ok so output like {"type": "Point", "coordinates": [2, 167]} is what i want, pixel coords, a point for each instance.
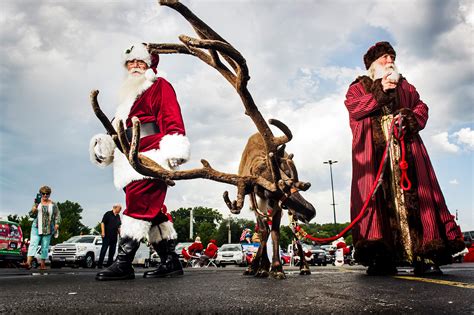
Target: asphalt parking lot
{"type": "Point", "coordinates": [330, 289]}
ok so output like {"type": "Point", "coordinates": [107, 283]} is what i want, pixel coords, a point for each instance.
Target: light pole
{"type": "Point", "coordinates": [191, 219]}
{"type": "Point", "coordinates": [229, 237]}
{"type": "Point", "coordinates": [331, 162]}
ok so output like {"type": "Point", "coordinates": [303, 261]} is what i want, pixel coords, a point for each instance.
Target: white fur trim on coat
{"type": "Point", "coordinates": [164, 231]}
{"type": "Point", "coordinates": [124, 173]}
{"type": "Point", "coordinates": [175, 147]}
{"type": "Point", "coordinates": [101, 150]}
{"type": "Point", "coordinates": [134, 228]}
{"type": "Point", "coordinates": [137, 51]}
{"type": "Point", "coordinates": [151, 76]}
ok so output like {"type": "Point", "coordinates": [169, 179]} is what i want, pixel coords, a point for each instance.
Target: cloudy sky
{"type": "Point", "coordinates": [302, 56]}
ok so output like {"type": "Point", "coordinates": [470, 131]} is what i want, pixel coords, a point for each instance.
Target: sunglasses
{"type": "Point", "coordinates": [45, 194]}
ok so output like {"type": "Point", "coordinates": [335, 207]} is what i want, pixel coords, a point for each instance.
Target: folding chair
{"type": "Point", "coordinates": [212, 261]}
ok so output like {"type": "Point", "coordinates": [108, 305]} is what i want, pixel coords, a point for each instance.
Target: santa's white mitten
{"type": "Point", "coordinates": [101, 150]}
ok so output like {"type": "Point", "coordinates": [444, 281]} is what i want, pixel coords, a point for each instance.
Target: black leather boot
{"type": "Point", "coordinates": [170, 265]}
{"type": "Point", "coordinates": [122, 268]}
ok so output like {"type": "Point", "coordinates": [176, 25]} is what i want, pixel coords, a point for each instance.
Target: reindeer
{"type": "Point", "coordinates": [266, 173]}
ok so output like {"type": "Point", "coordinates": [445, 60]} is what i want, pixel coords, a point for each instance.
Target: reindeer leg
{"type": "Point", "coordinates": [304, 267]}
{"type": "Point", "coordinates": [264, 262]}
{"type": "Point", "coordinates": [276, 269]}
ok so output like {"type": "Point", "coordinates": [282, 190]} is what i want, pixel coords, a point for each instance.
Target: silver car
{"type": "Point", "coordinates": [231, 254]}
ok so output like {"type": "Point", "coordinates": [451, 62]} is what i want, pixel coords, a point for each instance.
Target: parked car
{"type": "Point", "coordinates": [231, 254]}
{"type": "Point", "coordinates": [179, 248]}
{"type": "Point", "coordinates": [320, 257]}
{"type": "Point", "coordinates": [468, 238]}
{"type": "Point", "coordinates": [11, 238]}
{"type": "Point", "coordinates": [142, 256]}
{"type": "Point", "coordinates": [81, 250]}
{"type": "Point", "coordinates": [285, 258]}
{"type": "Point", "coordinates": [330, 253]}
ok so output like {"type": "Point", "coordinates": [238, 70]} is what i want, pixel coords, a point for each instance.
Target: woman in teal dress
{"type": "Point", "coordinates": [45, 224]}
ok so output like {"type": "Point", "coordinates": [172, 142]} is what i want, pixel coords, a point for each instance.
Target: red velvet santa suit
{"type": "Point", "coordinates": [211, 250]}
{"type": "Point", "coordinates": [153, 101]}
{"type": "Point", "coordinates": [158, 105]}
{"type": "Point", "coordinates": [433, 220]}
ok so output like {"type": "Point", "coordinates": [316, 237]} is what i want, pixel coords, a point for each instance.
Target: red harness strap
{"type": "Point", "coordinates": [399, 133]}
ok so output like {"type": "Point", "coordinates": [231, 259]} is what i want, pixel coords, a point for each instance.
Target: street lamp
{"type": "Point", "coordinates": [331, 162]}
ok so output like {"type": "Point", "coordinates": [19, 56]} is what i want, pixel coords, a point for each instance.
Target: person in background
{"type": "Point", "coordinates": [46, 223]}
{"type": "Point", "coordinates": [209, 252]}
{"type": "Point", "coordinates": [196, 247]}
{"type": "Point", "coordinates": [110, 230]}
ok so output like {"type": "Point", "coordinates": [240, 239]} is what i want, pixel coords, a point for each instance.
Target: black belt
{"type": "Point", "coordinates": [146, 129]}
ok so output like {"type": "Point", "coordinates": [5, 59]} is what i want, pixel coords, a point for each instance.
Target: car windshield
{"type": "Point", "coordinates": [81, 239]}
{"type": "Point", "coordinates": [230, 249]}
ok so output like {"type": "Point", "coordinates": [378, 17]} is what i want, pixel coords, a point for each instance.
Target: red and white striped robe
{"type": "Point", "coordinates": [437, 222]}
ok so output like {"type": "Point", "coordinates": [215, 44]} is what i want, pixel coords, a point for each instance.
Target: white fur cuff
{"type": "Point", "coordinates": [175, 147]}
{"type": "Point", "coordinates": [134, 228]}
{"type": "Point", "coordinates": [101, 150]}
{"type": "Point", "coordinates": [164, 231]}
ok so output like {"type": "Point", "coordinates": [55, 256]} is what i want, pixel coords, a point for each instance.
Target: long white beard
{"type": "Point", "coordinates": [377, 71]}
{"type": "Point", "coordinates": [132, 85]}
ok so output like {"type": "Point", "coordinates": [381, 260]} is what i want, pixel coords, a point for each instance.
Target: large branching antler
{"type": "Point", "coordinates": [237, 76]}
{"type": "Point", "coordinates": [210, 47]}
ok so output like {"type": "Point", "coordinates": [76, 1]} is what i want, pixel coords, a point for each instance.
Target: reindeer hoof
{"type": "Point", "coordinates": [262, 274]}
{"type": "Point", "coordinates": [278, 275]}
{"type": "Point", "coordinates": [304, 272]}
{"type": "Point", "coordinates": [250, 272]}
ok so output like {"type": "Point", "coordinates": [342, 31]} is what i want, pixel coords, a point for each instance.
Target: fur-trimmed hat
{"type": "Point", "coordinates": [376, 51]}
{"type": "Point", "coordinates": [140, 52]}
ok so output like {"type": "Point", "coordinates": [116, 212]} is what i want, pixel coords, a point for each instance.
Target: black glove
{"type": "Point", "coordinates": [409, 121]}
{"type": "Point", "coordinates": [386, 100]}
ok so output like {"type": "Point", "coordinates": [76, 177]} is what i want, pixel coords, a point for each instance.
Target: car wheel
{"type": "Point", "coordinates": [89, 261]}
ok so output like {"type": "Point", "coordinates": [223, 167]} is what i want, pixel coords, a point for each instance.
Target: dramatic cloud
{"type": "Point", "coordinates": [302, 56]}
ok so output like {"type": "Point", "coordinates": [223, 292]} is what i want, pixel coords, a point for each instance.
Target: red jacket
{"type": "Point", "coordinates": [211, 250]}
{"type": "Point", "coordinates": [195, 247]}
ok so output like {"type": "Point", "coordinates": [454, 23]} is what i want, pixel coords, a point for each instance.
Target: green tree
{"type": "Point", "coordinates": [236, 228]}
{"type": "Point", "coordinates": [205, 221]}
{"type": "Point", "coordinates": [71, 224]}
{"type": "Point", "coordinates": [96, 230]}
{"type": "Point", "coordinates": [13, 218]}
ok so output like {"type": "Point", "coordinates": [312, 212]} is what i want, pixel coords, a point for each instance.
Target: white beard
{"type": "Point", "coordinates": [377, 71]}
{"type": "Point", "coordinates": [132, 86]}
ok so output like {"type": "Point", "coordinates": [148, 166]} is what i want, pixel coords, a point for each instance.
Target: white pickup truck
{"type": "Point", "coordinates": [84, 251]}
{"type": "Point", "coordinates": [81, 250]}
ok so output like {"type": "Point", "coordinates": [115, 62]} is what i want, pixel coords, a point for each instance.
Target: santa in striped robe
{"type": "Point", "coordinates": [412, 227]}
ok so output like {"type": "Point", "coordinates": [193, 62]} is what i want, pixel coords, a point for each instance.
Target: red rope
{"type": "Point", "coordinates": [399, 134]}
{"type": "Point", "coordinates": [403, 166]}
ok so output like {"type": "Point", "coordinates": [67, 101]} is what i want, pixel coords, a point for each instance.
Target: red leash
{"type": "Point", "coordinates": [399, 133]}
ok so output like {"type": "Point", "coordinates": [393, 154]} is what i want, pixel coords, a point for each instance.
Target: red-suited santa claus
{"type": "Point", "coordinates": [150, 98]}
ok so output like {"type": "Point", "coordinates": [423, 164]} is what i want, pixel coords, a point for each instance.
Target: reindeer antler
{"type": "Point", "coordinates": [210, 47]}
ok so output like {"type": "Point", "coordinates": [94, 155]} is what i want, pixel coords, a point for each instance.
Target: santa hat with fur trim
{"type": "Point", "coordinates": [376, 51]}
{"type": "Point", "coordinates": [140, 51]}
